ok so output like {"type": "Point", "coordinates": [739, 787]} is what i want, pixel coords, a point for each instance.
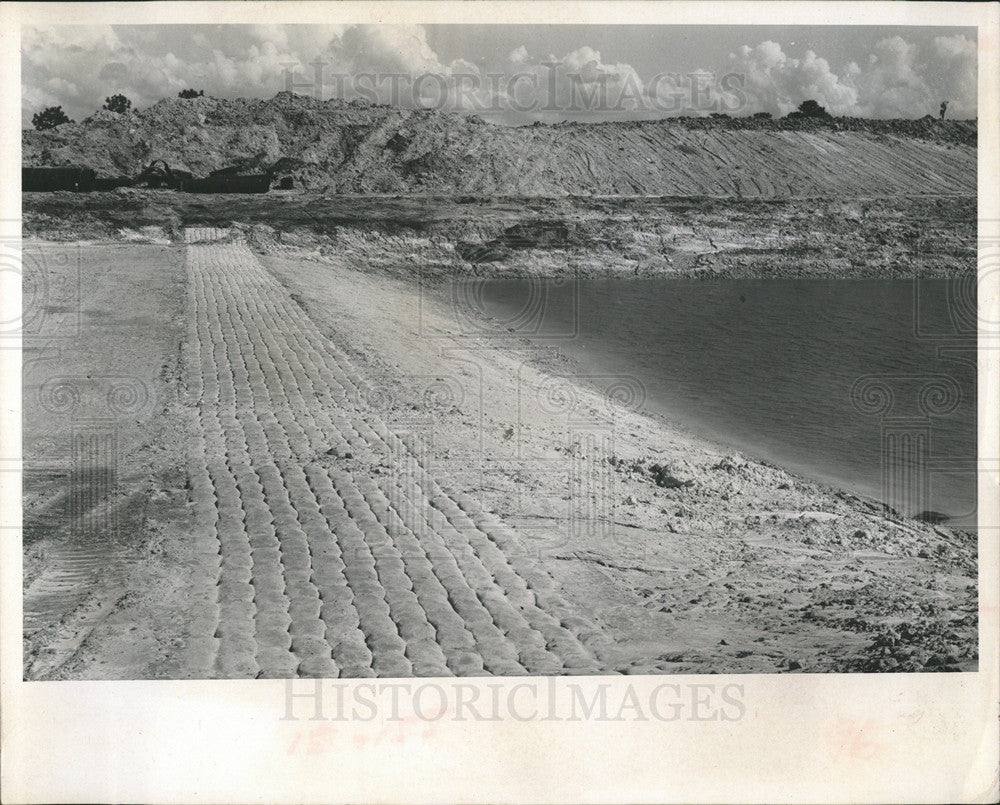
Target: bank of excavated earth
{"type": "Point", "coordinates": [445, 193]}
{"type": "Point", "coordinates": [355, 147]}
{"type": "Point", "coordinates": [864, 237]}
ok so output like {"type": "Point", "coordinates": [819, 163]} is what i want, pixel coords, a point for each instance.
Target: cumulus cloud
{"type": "Point", "coordinates": [109, 60]}
{"type": "Point", "coordinates": [226, 61]}
{"type": "Point", "coordinates": [518, 56]}
{"type": "Point", "coordinates": [577, 84]}
{"type": "Point", "coordinates": [78, 66]}
{"type": "Point", "coordinates": [386, 48]}
{"type": "Point", "coordinates": [776, 83]}
{"type": "Point", "coordinates": [148, 65]}
{"type": "Point", "coordinates": [899, 79]}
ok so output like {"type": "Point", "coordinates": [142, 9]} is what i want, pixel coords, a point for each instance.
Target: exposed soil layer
{"type": "Point", "coordinates": [360, 148]}
{"type": "Point", "coordinates": [867, 236]}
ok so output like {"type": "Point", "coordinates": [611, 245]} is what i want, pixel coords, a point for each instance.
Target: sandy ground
{"type": "Point", "coordinates": [859, 236]}
{"type": "Point", "coordinates": [103, 575]}
{"type": "Point", "coordinates": [496, 509]}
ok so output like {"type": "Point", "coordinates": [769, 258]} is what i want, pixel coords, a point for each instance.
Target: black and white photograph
{"type": "Point", "coordinates": [391, 351]}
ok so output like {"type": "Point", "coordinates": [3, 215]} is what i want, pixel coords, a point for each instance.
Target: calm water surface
{"type": "Point", "coordinates": [768, 365]}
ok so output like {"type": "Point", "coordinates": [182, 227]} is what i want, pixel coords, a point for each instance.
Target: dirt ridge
{"type": "Point", "coordinates": [353, 147]}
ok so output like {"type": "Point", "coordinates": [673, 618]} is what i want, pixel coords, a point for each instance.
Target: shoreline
{"type": "Point", "coordinates": [663, 418]}
{"type": "Point", "coordinates": [691, 556]}
{"type": "Point", "coordinates": [589, 360]}
{"type": "Point", "coordinates": [662, 415]}
{"type": "Point", "coordinates": [733, 491]}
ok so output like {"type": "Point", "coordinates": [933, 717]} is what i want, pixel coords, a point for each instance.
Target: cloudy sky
{"type": "Point", "coordinates": [513, 73]}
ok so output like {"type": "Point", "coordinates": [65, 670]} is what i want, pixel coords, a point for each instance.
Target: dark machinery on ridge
{"type": "Point", "coordinates": [225, 180]}
{"type": "Point", "coordinates": [230, 180]}
{"type": "Point", "coordinates": [81, 180]}
{"type": "Point", "coordinates": [158, 175]}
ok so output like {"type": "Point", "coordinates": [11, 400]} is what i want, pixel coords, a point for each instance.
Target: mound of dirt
{"type": "Point", "coordinates": [353, 147]}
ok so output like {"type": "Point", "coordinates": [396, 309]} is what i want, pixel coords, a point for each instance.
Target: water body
{"type": "Point", "coordinates": [768, 366]}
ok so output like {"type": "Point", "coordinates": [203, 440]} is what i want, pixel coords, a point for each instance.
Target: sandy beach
{"type": "Point", "coordinates": [498, 510]}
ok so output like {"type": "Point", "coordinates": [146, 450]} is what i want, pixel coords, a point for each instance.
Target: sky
{"type": "Point", "coordinates": [514, 74]}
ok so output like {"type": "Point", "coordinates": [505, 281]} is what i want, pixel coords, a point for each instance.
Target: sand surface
{"type": "Point", "coordinates": [320, 472]}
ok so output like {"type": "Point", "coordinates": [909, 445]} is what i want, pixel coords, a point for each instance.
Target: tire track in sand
{"type": "Point", "coordinates": [318, 567]}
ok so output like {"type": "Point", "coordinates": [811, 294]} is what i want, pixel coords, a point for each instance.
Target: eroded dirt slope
{"type": "Point", "coordinates": [870, 236]}
{"type": "Point", "coordinates": [356, 148]}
